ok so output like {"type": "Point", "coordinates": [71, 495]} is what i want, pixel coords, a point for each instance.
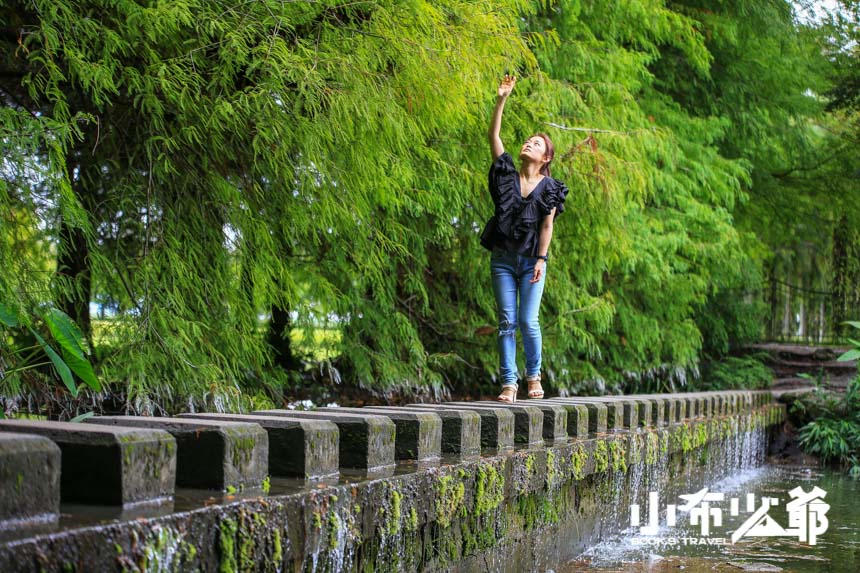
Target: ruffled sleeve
{"type": "Point", "coordinates": [503, 189]}
{"type": "Point", "coordinates": [502, 179]}
{"type": "Point", "coordinates": [552, 197]}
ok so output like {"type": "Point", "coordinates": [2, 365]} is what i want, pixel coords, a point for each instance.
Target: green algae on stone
{"type": "Point", "coordinates": [227, 545]}
{"type": "Point", "coordinates": [578, 459]}
{"type": "Point", "coordinates": [601, 456]}
{"type": "Point", "coordinates": [392, 518]}
{"type": "Point", "coordinates": [551, 470]}
{"type": "Point", "coordinates": [333, 529]}
{"type": "Point", "coordinates": [652, 448]}
{"type": "Point", "coordinates": [618, 455]}
{"type": "Point", "coordinates": [701, 435]}
{"type": "Point", "coordinates": [450, 494]}
{"type": "Point", "coordinates": [489, 488]}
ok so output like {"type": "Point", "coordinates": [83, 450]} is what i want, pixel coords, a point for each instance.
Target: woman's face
{"type": "Point", "coordinates": [534, 149]}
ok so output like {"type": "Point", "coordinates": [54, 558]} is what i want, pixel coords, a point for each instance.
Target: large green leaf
{"type": "Point", "coordinates": [71, 340]}
{"type": "Point", "coordinates": [66, 332]}
{"type": "Point", "coordinates": [61, 367]}
{"type": "Point", "coordinates": [84, 370]}
{"type": "Point", "coordinates": [8, 316]}
{"type": "Point", "coordinates": [82, 417]}
{"type": "Point", "coordinates": [850, 355]}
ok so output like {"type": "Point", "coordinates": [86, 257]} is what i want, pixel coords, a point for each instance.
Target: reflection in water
{"type": "Point", "coordinates": [836, 551]}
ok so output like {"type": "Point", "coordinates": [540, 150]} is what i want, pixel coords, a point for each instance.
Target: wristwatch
{"type": "Point", "coordinates": [544, 257]}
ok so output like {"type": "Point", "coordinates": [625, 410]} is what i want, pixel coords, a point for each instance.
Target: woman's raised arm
{"type": "Point", "coordinates": [505, 89]}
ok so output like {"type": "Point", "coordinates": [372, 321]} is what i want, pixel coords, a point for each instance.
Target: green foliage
{"type": "Point", "coordinates": [736, 372]}
{"type": "Point", "coordinates": [854, 353]}
{"type": "Point", "coordinates": [24, 352]}
{"type": "Point", "coordinates": [196, 169]}
{"type": "Point", "coordinates": [832, 440]}
{"type": "Point", "coordinates": [830, 424]}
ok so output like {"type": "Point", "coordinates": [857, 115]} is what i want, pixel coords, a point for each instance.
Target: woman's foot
{"type": "Point", "coordinates": [509, 394]}
{"type": "Point", "coordinates": [535, 389]}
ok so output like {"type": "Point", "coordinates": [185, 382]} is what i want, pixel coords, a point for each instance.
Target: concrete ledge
{"type": "Point", "coordinates": [210, 454]}
{"type": "Point", "coordinates": [297, 448]}
{"type": "Point", "coordinates": [643, 411]}
{"type": "Point", "coordinates": [497, 425]}
{"type": "Point", "coordinates": [29, 479]}
{"type": "Point", "coordinates": [554, 418]}
{"type": "Point", "coordinates": [108, 465]}
{"type": "Point", "coordinates": [528, 420]}
{"type": "Point", "coordinates": [419, 434]}
{"type": "Point", "coordinates": [673, 407]}
{"type": "Point", "coordinates": [622, 412]}
{"type": "Point", "coordinates": [366, 442]}
{"type": "Point", "coordinates": [577, 418]}
{"type": "Point", "coordinates": [597, 412]}
{"type": "Point", "coordinates": [657, 414]}
{"type": "Point", "coordinates": [460, 516]}
{"type": "Point", "coordinates": [461, 429]}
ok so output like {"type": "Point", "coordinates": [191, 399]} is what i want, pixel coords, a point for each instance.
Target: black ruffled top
{"type": "Point", "coordinates": [515, 226]}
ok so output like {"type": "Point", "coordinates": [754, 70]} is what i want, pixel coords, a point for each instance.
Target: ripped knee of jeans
{"type": "Point", "coordinates": [507, 328]}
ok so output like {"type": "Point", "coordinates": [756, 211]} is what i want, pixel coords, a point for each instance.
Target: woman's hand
{"type": "Point", "coordinates": [507, 85]}
{"type": "Point", "coordinates": [540, 269]}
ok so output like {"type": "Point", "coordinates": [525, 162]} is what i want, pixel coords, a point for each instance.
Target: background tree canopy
{"type": "Point", "coordinates": [267, 199]}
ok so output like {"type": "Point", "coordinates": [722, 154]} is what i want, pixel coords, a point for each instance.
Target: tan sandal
{"type": "Point", "coordinates": [509, 394]}
{"type": "Point", "coordinates": [535, 389]}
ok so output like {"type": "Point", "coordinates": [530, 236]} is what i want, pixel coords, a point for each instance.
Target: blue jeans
{"type": "Point", "coordinates": [511, 276]}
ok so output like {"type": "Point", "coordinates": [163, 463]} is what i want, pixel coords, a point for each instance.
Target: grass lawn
{"type": "Point", "coordinates": [321, 344]}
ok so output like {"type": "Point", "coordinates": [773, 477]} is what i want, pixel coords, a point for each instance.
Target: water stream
{"type": "Point", "coordinates": [680, 548]}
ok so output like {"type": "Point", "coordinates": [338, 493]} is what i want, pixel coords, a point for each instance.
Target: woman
{"type": "Point", "coordinates": [527, 201]}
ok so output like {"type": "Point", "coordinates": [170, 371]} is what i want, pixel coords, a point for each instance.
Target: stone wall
{"type": "Point", "coordinates": [529, 508]}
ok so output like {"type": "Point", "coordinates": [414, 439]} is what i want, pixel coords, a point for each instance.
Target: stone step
{"type": "Point", "coordinates": [622, 412]}
{"type": "Point", "coordinates": [29, 479]}
{"type": "Point", "coordinates": [577, 417]}
{"type": "Point", "coordinates": [614, 410]}
{"type": "Point", "coordinates": [671, 408]}
{"type": "Point", "coordinates": [461, 429]}
{"type": "Point", "coordinates": [366, 442]}
{"type": "Point", "coordinates": [210, 454]}
{"type": "Point", "coordinates": [108, 465]}
{"type": "Point", "coordinates": [297, 448]}
{"type": "Point", "coordinates": [419, 434]}
{"type": "Point", "coordinates": [528, 420]}
{"type": "Point", "coordinates": [497, 425]}
{"type": "Point", "coordinates": [597, 412]}
{"type": "Point", "coordinates": [554, 417]}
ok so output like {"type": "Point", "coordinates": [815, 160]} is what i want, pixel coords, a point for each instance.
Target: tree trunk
{"type": "Point", "coordinates": [773, 303]}
{"type": "Point", "coordinates": [279, 339]}
{"type": "Point", "coordinates": [73, 260]}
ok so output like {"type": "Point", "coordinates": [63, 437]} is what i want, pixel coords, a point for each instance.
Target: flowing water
{"type": "Point", "coordinates": [683, 547]}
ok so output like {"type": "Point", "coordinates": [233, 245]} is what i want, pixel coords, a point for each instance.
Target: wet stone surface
{"type": "Point", "coordinates": [108, 465]}
{"type": "Point", "coordinates": [297, 448]}
{"type": "Point", "coordinates": [29, 479]}
{"type": "Point", "coordinates": [526, 509]}
{"type": "Point", "coordinates": [419, 434]}
{"type": "Point", "coordinates": [461, 429]}
{"type": "Point", "coordinates": [366, 441]}
{"type": "Point", "coordinates": [597, 413]}
{"type": "Point", "coordinates": [210, 454]}
{"type": "Point", "coordinates": [528, 420]}
{"type": "Point", "coordinates": [497, 425]}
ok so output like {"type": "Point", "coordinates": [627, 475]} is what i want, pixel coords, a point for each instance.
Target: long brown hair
{"type": "Point", "coordinates": [550, 152]}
